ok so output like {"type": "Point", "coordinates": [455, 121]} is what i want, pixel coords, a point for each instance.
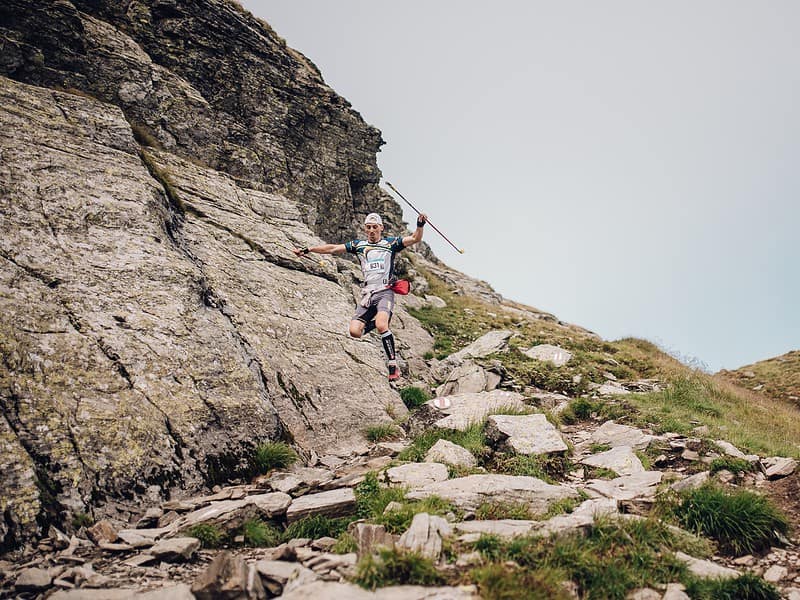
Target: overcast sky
{"type": "Point", "coordinates": [631, 167]}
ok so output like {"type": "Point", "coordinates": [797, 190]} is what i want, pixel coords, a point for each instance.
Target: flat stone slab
{"type": "Point", "coordinates": [416, 475]}
{"type": "Point", "coordinates": [628, 487]}
{"type": "Point", "coordinates": [526, 434]}
{"type": "Point", "coordinates": [614, 434]}
{"type": "Point", "coordinates": [504, 528]}
{"type": "Point", "coordinates": [692, 482]}
{"type": "Point", "coordinates": [467, 409]}
{"type": "Point", "coordinates": [729, 449]}
{"type": "Point", "coordinates": [266, 505]}
{"type": "Point", "coordinates": [444, 451]}
{"type": "Point", "coordinates": [175, 548]}
{"type": "Point", "coordinates": [778, 466]}
{"type": "Point", "coordinates": [549, 353]}
{"type": "Point", "coordinates": [169, 592]}
{"type": "Point", "coordinates": [333, 503]}
{"type": "Point", "coordinates": [489, 343]}
{"type": "Point", "coordinates": [331, 590]}
{"type": "Point", "coordinates": [470, 492]}
{"type": "Point", "coordinates": [610, 389]}
{"type": "Point", "coordinates": [621, 460]}
{"type": "Point", "coordinates": [706, 568]}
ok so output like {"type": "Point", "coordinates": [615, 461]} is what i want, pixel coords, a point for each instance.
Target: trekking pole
{"type": "Point", "coordinates": [394, 189]}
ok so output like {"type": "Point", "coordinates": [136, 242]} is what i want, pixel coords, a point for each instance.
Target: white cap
{"type": "Point", "coordinates": [373, 218]}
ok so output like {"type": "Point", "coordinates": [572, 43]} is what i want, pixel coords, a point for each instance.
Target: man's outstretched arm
{"type": "Point", "coordinates": [416, 237]}
{"type": "Point", "coordinates": [322, 249]}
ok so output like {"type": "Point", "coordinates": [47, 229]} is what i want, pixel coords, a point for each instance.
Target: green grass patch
{"type": "Point", "coordinates": [82, 519]}
{"type": "Point", "coordinates": [507, 582]}
{"type": "Point", "coordinates": [414, 397]}
{"type": "Point", "coordinates": [345, 544]}
{"type": "Point", "coordinates": [473, 439]}
{"type": "Point", "coordinates": [548, 468]}
{"type": "Point", "coordinates": [395, 567]}
{"type": "Point", "coordinates": [372, 497]}
{"type": "Point", "coordinates": [614, 558]}
{"type": "Point", "coordinates": [258, 533]}
{"type": "Point", "coordinates": [272, 455]}
{"type": "Point", "coordinates": [209, 535]}
{"type": "Point", "coordinates": [732, 464]}
{"type": "Point", "coordinates": [399, 520]}
{"type": "Point", "coordinates": [745, 587]}
{"type": "Point", "coordinates": [740, 521]}
{"type": "Point", "coordinates": [317, 526]}
{"type": "Point", "coordinates": [382, 432]}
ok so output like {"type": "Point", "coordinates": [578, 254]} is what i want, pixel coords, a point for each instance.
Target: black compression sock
{"type": "Point", "coordinates": [388, 344]}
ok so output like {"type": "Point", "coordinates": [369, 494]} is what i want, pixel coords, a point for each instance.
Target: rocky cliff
{"type": "Point", "coordinates": [159, 162]}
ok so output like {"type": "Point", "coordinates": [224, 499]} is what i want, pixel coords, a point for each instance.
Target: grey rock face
{"type": "Point", "coordinates": [526, 434]}
{"type": "Point", "coordinates": [706, 568]}
{"type": "Point", "coordinates": [118, 279]}
{"type": "Point", "coordinates": [241, 101]}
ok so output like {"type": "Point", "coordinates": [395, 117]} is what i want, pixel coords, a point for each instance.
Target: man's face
{"type": "Point", "coordinates": [373, 232]}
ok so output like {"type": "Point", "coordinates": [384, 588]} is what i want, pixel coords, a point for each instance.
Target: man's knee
{"type": "Point", "coordinates": [382, 322]}
{"type": "Point", "coordinates": [356, 328]}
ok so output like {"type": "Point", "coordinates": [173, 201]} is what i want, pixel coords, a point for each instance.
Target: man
{"type": "Point", "coordinates": [376, 255]}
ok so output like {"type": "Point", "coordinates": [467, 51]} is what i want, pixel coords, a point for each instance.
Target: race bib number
{"type": "Point", "coordinates": [375, 265]}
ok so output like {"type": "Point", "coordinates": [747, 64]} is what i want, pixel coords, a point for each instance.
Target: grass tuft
{"type": "Point", "coordinates": [732, 464]}
{"type": "Point", "coordinates": [382, 432]}
{"type": "Point", "coordinates": [396, 567]}
{"type": "Point", "coordinates": [258, 533]}
{"type": "Point", "coordinates": [273, 455]}
{"type": "Point", "coordinates": [372, 497]}
{"type": "Point", "coordinates": [317, 526]}
{"type": "Point", "coordinates": [504, 581]}
{"type": "Point", "coordinates": [740, 521]}
{"type": "Point", "coordinates": [414, 397]}
{"type": "Point", "coordinates": [473, 439]}
{"type": "Point", "coordinates": [209, 535]}
{"type": "Point", "coordinates": [345, 544]}
{"type": "Point", "coordinates": [745, 587]}
{"type": "Point", "coordinates": [399, 520]}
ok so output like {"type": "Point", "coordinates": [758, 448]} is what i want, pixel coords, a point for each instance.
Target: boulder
{"type": "Point", "coordinates": [777, 467]}
{"type": "Point", "coordinates": [425, 534]}
{"type": "Point", "coordinates": [613, 434]}
{"type": "Point", "coordinates": [231, 513]}
{"type": "Point", "coordinates": [692, 482]}
{"type": "Point", "coordinates": [549, 353]}
{"type": "Point", "coordinates": [102, 531]}
{"type": "Point", "coordinates": [417, 474]}
{"type": "Point", "coordinates": [525, 434]}
{"type": "Point", "coordinates": [621, 460]}
{"type": "Point", "coordinates": [176, 548]}
{"type": "Point", "coordinates": [444, 451]}
{"type": "Point", "coordinates": [729, 449]}
{"type": "Point", "coordinates": [280, 576]}
{"type": "Point", "coordinates": [468, 378]}
{"type": "Point", "coordinates": [369, 536]}
{"type": "Point", "coordinates": [468, 409]}
{"type": "Point", "coordinates": [228, 577]}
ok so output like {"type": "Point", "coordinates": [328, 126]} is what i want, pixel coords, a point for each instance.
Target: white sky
{"type": "Point", "coordinates": [630, 166]}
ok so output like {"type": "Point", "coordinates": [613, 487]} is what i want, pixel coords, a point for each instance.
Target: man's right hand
{"type": "Point", "coordinates": [301, 251]}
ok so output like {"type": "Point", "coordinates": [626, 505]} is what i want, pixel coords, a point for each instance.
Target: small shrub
{"type": "Point", "coordinates": [317, 526]}
{"type": "Point", "coordinates": [209, 535]}
{"type": "Point", "coordinates": [382, 432]}
{"type": "Point", "coordinates": [414, 397]}
{"type": "Point", "coordinates": [579, 409]}
{"type": "Point", "coordinates": [744, 587]}
{"type": "Point", "coordinates": [729, 463]}
{"type": "Point", "coordinates": [258, 533]}
{"type": "Point", "coordinates": [392, 567]}
{"type": "Point", "coordinates": [273, 455]}
{"type": "Point", "coordinates": [741, 521]}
